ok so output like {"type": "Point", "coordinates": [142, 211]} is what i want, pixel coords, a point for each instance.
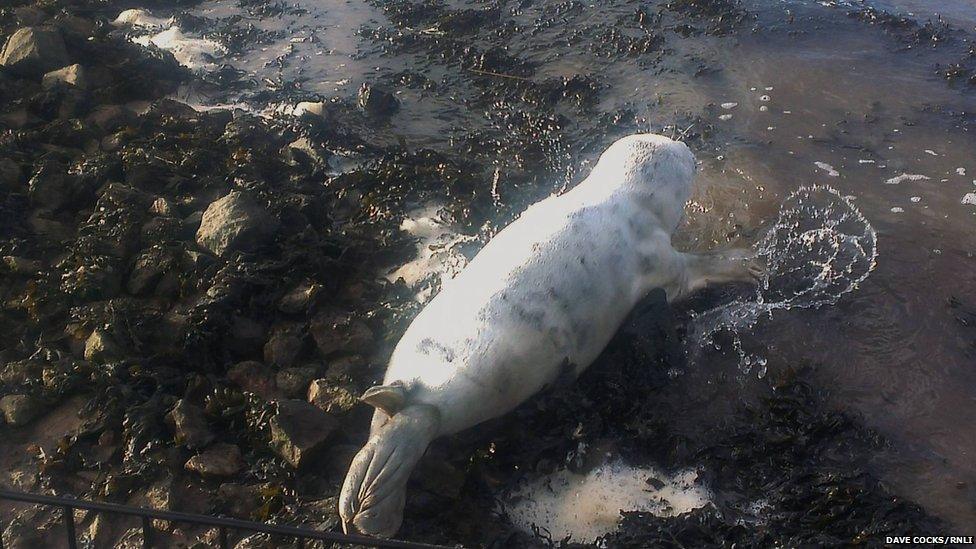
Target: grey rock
{"type": "Point", "coordinates": [50, 186]}
{"type": "Point", "coordinates": [294, 382]}
{"type": "Point", "coordinates": [219, 460]}
{"type": "Point", "coordinates": [22, 265]}
{"type": "Point", "coordinates": [300, 431]}
{"type": "Point", "coordinates": [33, 51]}
{"type": "Point", "coordinates": [11, 176]}
{"type": "Point", "coordinates": [284, 346]}
{"type": "Point", "coordinates": [299, 298]}
{"type": "Point", "coordinates": [377, 101]}
{"type": "Point", "coordinates": [331, 397]}
{"type": "Point", "coordinates": [101, 348]}
{"type": "Point", "coordinates": [235, 222]}
{"type": "Point", "coordinates": [254, 377]}
{"type": "Point", "coordinates": [334, 331]}
{"type": "Point", "coordinates": [72, 75]}
{"type": "Point", "coordinates": [189, 424]}
{"type": "Point", "coordinates": [19, 409]}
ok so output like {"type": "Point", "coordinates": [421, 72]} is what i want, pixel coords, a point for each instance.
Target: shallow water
{"type": "Point", "coordinates": [819, 98]}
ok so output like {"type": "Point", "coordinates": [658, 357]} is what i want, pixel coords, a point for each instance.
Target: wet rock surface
{"type": "Point", "coordinates": [199, 292]}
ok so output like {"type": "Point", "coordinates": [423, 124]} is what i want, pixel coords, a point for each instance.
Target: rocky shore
{"type": "Point", "coordinates": [191, 306]}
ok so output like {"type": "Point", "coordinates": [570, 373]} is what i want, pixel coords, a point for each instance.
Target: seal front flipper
{"type": "Point", "coordinates": [702, 270]}
{"type": "Point", "coordinates": [388, 398]}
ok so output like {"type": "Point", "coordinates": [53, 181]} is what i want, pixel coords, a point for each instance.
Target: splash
{"type": "Point", "coordinates": [820, 248]}
{"type": "Point", "coordinates": [584, 507]}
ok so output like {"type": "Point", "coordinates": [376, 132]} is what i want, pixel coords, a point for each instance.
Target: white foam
{"type": "Point", "coordinates": [585, 507]}
{"type": "Point", "coordinates": [969, 199]}
{"type": "Point", "coordinates": [827, 168]}
{"type": "Point", "coordinates": [189, 51]}
{"type": "Point", "coordinates": [961, 171]}
{"type": "Point", "coordinates": [725, 117]}
{"type": "Point", "coordinates": [906, 177]}
{"type": "Point", "coordinates": [141, 18]}
{"type": "Point", "coordinates": [897, 210]}
{"type": "Point", "coordinates": [729, 105]}
{"type": "Point", "coordinates": [437, 252]}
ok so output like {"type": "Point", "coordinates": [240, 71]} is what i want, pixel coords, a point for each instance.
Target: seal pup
{"type": "Point", "coordinates": [540, 301]}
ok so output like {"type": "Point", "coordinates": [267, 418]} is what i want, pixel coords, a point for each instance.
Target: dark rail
{"type": "Point", "coordinates": [68, 505]}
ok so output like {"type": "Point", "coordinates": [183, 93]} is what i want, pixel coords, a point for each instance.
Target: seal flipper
{"type": "Point", "coordinates": [388, 398]}
{"type": "Point", "coordinates": [374, 491]}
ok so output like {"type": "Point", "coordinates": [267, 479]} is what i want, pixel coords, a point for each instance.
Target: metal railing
{"type": "Point", "coordinates": [68, 505]}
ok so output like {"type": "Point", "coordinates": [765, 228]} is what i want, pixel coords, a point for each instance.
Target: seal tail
{"type": "Point", "coordinates": [374, 491]}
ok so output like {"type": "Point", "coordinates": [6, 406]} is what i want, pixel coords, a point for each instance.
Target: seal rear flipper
{"type": "Point", "coordinates": [374, 491]}
{"type": "Point", "coordinates": [388, 398]}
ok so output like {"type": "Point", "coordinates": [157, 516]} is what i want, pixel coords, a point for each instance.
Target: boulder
{"type": "Point", "coordinates": [335, 331]}
{"type": "Point", "coordinates": [235, 222]}
{"type": "Point", "coordinates": [299, 298]}
{"type": "Point", "coordinates": [11, 176]}
{"type": "Point", "coordinates": [377, 101]}
{"type": "Point", "coordinates": [72, 75]}
{"type": "Point", "coordinates": [101, 348]}
{"type": "Point", "coordinates": [284, 345]}
{"type": "Point", "coordinates": [189, 424]}
{"type": "Point", "coordinates": [219, 460]}
{"type": "Point", "coordinates": [254, 377]}
{"type": "Point", "coordinates": [33, 51]}
{"type": "Point", "coordinates": [240, 501]}
{"type": "Point", "coordinates": [19, 409]}
{"type": "Point", "coordinates": [331, 397]}
{"type": "Point", "coordinates": [293, 382]}
{"type": "Point", "coordinates": [299, 431]}
{"type": "Point", "coordinates": [50, 186]}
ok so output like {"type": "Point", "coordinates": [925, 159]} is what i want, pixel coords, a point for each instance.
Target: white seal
{"type": "Point", "coordinates": [540, 301]}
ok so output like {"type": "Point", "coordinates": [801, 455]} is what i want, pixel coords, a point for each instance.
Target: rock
{"type": "Point", "coordinates": [284, 346]}
{"type": "Point", "coordinates": [50, 186]}
{"type": "Point", "coordinates": [148, 269]}
{"type": "Point", "coordinates": [110, 118]}
{"type": "Point", "coordinates": [162, 206]}
{"type": "Point", "coordinates": [254, 377]}
{"type": "Point", "coordinates": [376, 101]}
{"type": "Point", "coordinates": [243, 502]}
{"type": "Point", "coordinates": [189, 424]}
{"type": "Point", "coordinates": [299, 431]}
{"type": "Point", "coordinates": [20, 372]}
{"type": "Point", "coordinates": [345, 367]}
{"type": "Point", "coordinates": [246, 335]}
{"type": "Point", "coordinates": [29, 15]}
{"type": "Point", "coordinates": [49, 228]}
{"type": "Point", "coordinates": [11, 176]}
{"type": "Point", "coordinates": [33, 51]}
{"type": "Point", "coordinates": [293, 382]}
{"type": "Point", "coordinates": [101, 348]}
{"type": "Point", "coordinates": [314, 108]}
{"type": "Point", "coordinates": [299, 298]}
{"type": "Point", "coordinates": [72, 75]}
{"type": "Point", "coordinates": [22, 265]}
{"type": "Point", "coordinates": [332, 398]}
{"type": "Point", "coordinates": [19, 410]}
{"type": "Point", "coordinates": [334, 331]}
{"type": "Point", "coordinates": [235, 222]}
{"type": "Point", "coordinates": [219, 460]}
{"type": "Point", "coordinates": [164, 496]}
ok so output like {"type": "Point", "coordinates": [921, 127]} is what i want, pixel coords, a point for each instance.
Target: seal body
{"type": "Point", "coordinates": [545, 295]}
{"type": "Point", "coordinates": [540, 301]}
